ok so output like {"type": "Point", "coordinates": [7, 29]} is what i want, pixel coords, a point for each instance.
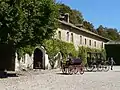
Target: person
{"type": "Point", "coordinates": [69, 57]}
{"type": "Point", "coordinates": [112, 62]}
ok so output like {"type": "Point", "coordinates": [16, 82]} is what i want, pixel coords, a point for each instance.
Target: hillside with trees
{"type": "Point", "coordinates": [110, 33]}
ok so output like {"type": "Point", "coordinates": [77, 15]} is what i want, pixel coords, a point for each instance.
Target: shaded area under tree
{"type": "Point", "coordinates": [7, 57]}
{"type": "Point", "coordinates": [113, 50]}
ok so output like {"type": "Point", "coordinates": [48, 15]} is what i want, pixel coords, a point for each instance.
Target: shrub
{"type": "Point", "coordinates": [54, 46]}
{"type": "Point", "coordinates": [83, 53]}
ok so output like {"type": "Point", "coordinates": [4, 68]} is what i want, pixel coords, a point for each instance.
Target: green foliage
{"type": "Point", "coordinates": [89, 26]}
{"type": "Point", "coordinates": [25, 50]}
{"type": "Point", "coordinates": [54, 46]}
{"type": "Point", "coordinates": [103, 51]}
{"type": "Point", "coordinates": [83, 52]}
{"type": "Point", "coordinates": [27, 22]}
{"type": "Point", "coordinates": [110, 33]}
{"type": "Point", "coordinates": [113, 34]}
{"type": "Point", "coordinates": [101, 31]}
{"type": "Point", "coordinates": [75, 16]}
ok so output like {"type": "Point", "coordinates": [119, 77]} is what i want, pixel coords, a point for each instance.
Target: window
{"type": "Point", "coordinates": [80, 39]}
{"type": "Point", "coordinates": [59, 34]}
{"type": "Point", "coordinates": [67, 36]}
{"type": "Point", "coordinates": [90, 42]}
{"type": "Point", "coordinates": [71, 37]}
{"type": "Point", "coordinates": [85, 41]}
{"type": "Point", "coordinates": [95, 43]}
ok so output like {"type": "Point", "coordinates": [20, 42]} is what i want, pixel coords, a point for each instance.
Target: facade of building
{"type": "Point", "coordinates": [79, 36]}
{"type": "Point", "coordinates": [66, 32]}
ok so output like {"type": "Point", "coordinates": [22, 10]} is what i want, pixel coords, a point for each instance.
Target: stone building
{"type": "Point", "coordinates": [79, 36]}
{"type": "Point", "coordinates": [66, 32]}
{"type": "Point", "coordinates": [69, 33]}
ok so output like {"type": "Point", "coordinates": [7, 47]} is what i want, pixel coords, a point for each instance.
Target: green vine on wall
{"type": "Point", "coordinates": [25, 50]}
{"type": "Point", "coordinates": [54, 46]}
{"type": "Point", "coordinates": [83, 52]}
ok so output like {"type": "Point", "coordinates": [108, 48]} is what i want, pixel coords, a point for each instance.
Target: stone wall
{"type": "Point", "coordinates": [26, 62]}
{"type": "Point", "coordinates": [77, 35]}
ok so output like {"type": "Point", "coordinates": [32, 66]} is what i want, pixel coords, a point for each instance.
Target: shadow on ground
{"type": "Point", "coordinates": [6, 75]}
{"type": "Point", "coordinates": [62, 73]}
{"type": "Point", "coordinates": [116, 71]}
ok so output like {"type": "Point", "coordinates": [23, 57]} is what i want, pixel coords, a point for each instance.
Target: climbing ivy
{"type": "Point", "coordinates": [83, 52]}
{"type": "Point", "coordinates": [25, 50]}
{"type": "Point", "coordinates": [54, 46]}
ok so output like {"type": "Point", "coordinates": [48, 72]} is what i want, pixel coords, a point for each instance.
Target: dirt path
{"type": "Point", "coordinates": [53, 80]}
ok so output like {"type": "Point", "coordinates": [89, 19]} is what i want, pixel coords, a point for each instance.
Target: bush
{"type": "Point", "coordinates": [25, 50]}
{"type": "Point", "coordinates": [54, 46]}
{"type": "Point", "coordinates": [83, 53]}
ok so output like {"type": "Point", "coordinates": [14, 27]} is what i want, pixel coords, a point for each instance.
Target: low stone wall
{"type": "Point", "coordinates": [26, 62]}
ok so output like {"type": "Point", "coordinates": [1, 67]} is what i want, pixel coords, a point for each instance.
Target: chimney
{"type": "Point", "coordinates": [79, 25]}
{"type": "Point", "coordinates": [67, 17]}
{"type": "Point", "coordinates": [64, 17]}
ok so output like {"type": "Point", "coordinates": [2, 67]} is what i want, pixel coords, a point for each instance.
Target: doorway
{"type": "Point", "coordinates": [113, 50]}
{"type": "Point", "coordinates": [38, 59]}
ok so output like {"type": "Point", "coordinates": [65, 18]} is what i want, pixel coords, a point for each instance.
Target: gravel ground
{"type": "Point", "coordinates": [54, 80]}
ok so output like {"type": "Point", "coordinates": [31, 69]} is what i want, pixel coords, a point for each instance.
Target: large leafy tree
{"type": "Point", "coordinates": [102, 31]}
{"type": "Point", "coordinates": [89, 26]}
{"type": "Point", "coordinates": [27, 22]}
{"type": "Point", "coordinates": [110, 33]}
{"type": "Point", "coordinates": [76, 17]}
{"type": "Point", "coordinates": [113, 34]}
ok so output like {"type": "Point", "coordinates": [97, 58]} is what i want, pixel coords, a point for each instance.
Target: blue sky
{"type": "Point", "coordinates": [98, 12]}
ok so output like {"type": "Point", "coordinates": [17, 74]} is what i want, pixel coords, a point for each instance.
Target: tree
{"type": "Point", "coordinates": [75, 16]}
{"type": "Point", "coordinates": [102, 31]}
{"type": "Point", "coordinates": [110, 33]}
{"type": "Point", "coordinates": [89, 26]}
{"type": "Point", "coordinates": [27, 22]}
{"type": "Point", "coordinates": [113, 34]}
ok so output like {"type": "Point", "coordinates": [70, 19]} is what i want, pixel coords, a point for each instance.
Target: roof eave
{"type": "Point", "coordinates": [84, 30]}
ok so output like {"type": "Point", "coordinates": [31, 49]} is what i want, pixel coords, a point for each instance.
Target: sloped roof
{"type": "Point", "coordinates": [84, 30]}
{"type": "Point", "coordinates": [113, 42]}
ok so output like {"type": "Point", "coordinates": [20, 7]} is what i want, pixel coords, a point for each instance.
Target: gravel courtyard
{"type": "Point", "coordinates": [54, 80]}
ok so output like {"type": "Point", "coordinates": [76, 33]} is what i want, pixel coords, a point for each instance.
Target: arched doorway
{"type": "Point", "coordinates": [38, 59]}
